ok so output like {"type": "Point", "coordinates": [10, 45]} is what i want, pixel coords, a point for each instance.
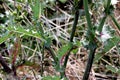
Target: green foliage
{"type": "Point", "coordinates": [118, 71]}
{"type": "Point", "coordinates": [116, 23]}
{"type": "Point", "coordinates": [26, 19]}
{"type": "Point", "coordinates": [28, 32]}
{"type": "Point", "coordinates": [64, 50]}
{"type": "Point", "coordinates": [110, 43]}
{"type": "Point", "coordinates": [53, 78]}
{"type": "Point", "coordinates": [37, 9]}
{"type": "Point", "coordinates": [63, 1]}
{"type": "Point", "coordinates": [76, 45]}
{"type": "Point", "coordinates": [48, 42]}
{"type": "Point", "coordinates": [5, 37]}
{"type": "Point", "coordinates": [113, 69]}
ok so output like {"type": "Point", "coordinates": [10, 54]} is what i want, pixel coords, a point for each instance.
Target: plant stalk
{"type": "Point", "coordinates": [74, 25]}
{"type": "Point", "coordinates": [42, 69]}
{"type": "Point", "coordinates": [71, 40]}
{"type": "Point", "coordinates": [101, 24]}
{"type": "Point", "coordinates": [92, 44]}
{"type": "Point", "coordinates": [72, 35]}
{"type": "Point", "coordinates": [90, 61]}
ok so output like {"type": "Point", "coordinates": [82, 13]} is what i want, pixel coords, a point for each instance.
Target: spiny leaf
{"type": "Point", "coordinates": [98, 56]}
{"type": "Point", "coordinates": [107, 46]}
{"type": "Point", "coordinates": [28, 32]}
{"type": "Point", "coordinates": [6, 36]}
{"type": "Point", "coordinates": [111, 43]}
{"type": "Point", "coordinates": [64, 49]}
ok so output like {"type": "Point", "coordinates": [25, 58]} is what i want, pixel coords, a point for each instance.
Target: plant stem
{"type": "Point", "coordinates": [65, 63]}
{"type": "Point", "coordinates": [92, 44]}
{"type": "Point", "coordinates": [101, 24]}
{"type": "Point", "coordinates": [108, 7]}
{"type": "Point", "coordinates": [42, 69]}
{"type": "Point", "coordinates": [74, 25]}
{"type": "Point", "coordinates": [85, 3]}
{"type": "Point", "coordinates": [71, 40]}
{"type": "Point", "coordinates": [72, 35]}
{"type": "Point", "coordinates": [104, 18]}
{"type": "Point", "coordinates": [90, 61]}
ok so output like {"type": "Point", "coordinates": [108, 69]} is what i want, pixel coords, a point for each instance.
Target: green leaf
{"type": "Point", "coordinates": [107, 8]}
{"type": "Point", "coordinates": [75, 46]}
{"type": "Point", "coordinates": [107, 46]}
{"type": "Point", "coordinates": [111, 43]}
{"type": "Point", "coordinates": [64, 49]}
{"type": "Point", "coordinates": [111, 68]}
{"type": "Point", "coordinates": [61, 53]}
{"type": "Point", "coordinates": [118, 71]}
{"type": "Point", "coordinates": [6, 36]}
{"type": "Point", "coordinates": [106, 4]}
{"type": "Point", "coordinates": [29, 63]}
{"type": "Point", "coordinates": [98, 56]}
{"type": "Point", "coordinates": [63, 1]}
{"type": "Point", "coordinates": [115, 21]}
{"type": "Point", "coordinates": [75, 51]}
{"type": "Point", "coordinates": [28, 32]}
{"type": "Point", "coordinates": [37, 9]}
{"type": "Point", "coordinates": [53, 78]}
{"type": "Point", "coordinates": [48, 42]}
{"type": "Point", "coordinates": [102, 24]}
